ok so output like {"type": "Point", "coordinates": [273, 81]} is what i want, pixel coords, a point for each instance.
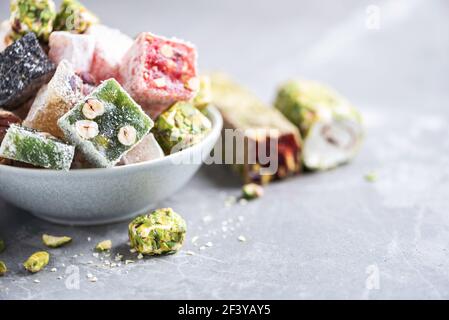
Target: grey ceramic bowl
{"type": "Point", "coordinates": [99, 196]}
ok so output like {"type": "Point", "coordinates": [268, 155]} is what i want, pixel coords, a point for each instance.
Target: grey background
{"type": "Point", "coordinates": [323, 235]}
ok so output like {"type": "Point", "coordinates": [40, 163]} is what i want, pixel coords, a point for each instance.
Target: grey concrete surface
{"type": "Point", "coordinates": [325, 235]}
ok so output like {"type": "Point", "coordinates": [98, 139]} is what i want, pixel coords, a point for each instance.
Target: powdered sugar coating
{"type": "Point", "coordinates": [78, 49]}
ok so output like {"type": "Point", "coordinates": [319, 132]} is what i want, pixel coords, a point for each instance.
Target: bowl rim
{"type": "Point", "coordinates": [212, 113]}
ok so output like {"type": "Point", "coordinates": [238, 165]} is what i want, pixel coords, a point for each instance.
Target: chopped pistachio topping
{"type": "Point", "coordinates": [252, 191]}
{"type": "Point", "coordinates": [3, 268]}
{"type": "Point", "coordinates": [32, 16]}
{"type": "Point", "coordinates": [104, 245]}
{"type": "Point", "coordinates": [37, 261]}
{"type": "Point", "coordinates": [2, 246]}
{"type": "Point", "coordinates": [204, 96]}
{"type": "Point", "coordinates": [371, 177]}
{"type": "Point", "coordinates": [159, 232]}
{"type": "Point", "coordinates": [55, 242]}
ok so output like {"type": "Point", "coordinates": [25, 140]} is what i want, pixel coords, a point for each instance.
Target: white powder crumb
{"type": "Point", "coordinates": [53, 270]}
{"type": "Point", "coordinates": [209, 244]}
{"type": "Point", "coordinates": [207, 219]}
{"type": "Point", "coordinates": [89, 275]}
{"type": "Point", "coordinates": [132, 250]}
{"type": "Point", "coordinates": [89, 239]}
{"type": "Point", "coordinates": [140, 256]}
{"type": "Point", "coordinates": [37, 281]}
{"type": "Point", "coordinates": [195, 239]}
{"type": "Point", "coordinates": [93, 279]}
{"type": "Point", "coordinates": [118, 257]}
{"type": "Point", "coordinates": [241, 238]}
{"type": "Point", "coordinates": [202, 248]}
{"type": "Point", "coordinates": [129, 261]}
{"type": "Point", "coordinates": [241, 218]}
{"type": "Point", "coordinates": [190, 253]}
{"type": "Point", "coordinates": [95, 254]}
{"type": "Point", "coordinates": [243, 202]}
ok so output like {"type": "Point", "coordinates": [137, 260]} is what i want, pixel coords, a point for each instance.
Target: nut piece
{"type": "Point", "coordinates": [127, 135]}
{"type": "Point", "coordinates": [37, 261]}
{"type": "Point", "coordinates": [252, 191]}
{"type": "Point", "coordinates": [55, 242]}
{"type": "Point", "coordinates": [2, 246]}
{"type": "Point", "coordinates": [104, 245]}
{"type": "Point", "coordinates": [167, 51]}
{"type": "Point", "coordinates": [93, 108]}
{"type": "Point", "coordinates": [193, 84]}
{"type": "Point", "coordinates": [371, 177]}
{"type": "Point", "coordinates": [87, 129]}
{"type": "Point", "coordinates": [159, 82]}
{"type": "Point", "coordinates": [159, 232]}
{"type": "Point", "coordinates": [3, 268]}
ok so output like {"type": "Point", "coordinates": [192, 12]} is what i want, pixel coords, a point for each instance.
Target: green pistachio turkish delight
{"type": "Point", "coordinates": [330, 125]}
{"type": "Point", "coordinates": [32, 16]}
{"type": "Point", "coordinates": [74, 17]}
{"type": "Point", "coordinates": [36, 148]}
{"type": "Point", "coordinates": [37, 261]}
{"type": "Point", "coordinates": [159, 232]}
{"type": "Point", "coordinates": [180, 127]}
{"type": "Point", "coordinates": [106, 124]}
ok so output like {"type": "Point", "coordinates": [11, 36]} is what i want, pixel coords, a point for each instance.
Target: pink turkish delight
{"type": "Point", "coordinates": [157, 71]}
{"type": "Point", "coordinates": [146, 150]}
{"type": "Point", "coordinates": [78, 49]}
{"type": "Point", "coordinates": [110, 47]}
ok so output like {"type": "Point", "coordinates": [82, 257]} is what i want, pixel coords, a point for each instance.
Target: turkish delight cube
{"type": "Point", "coordinates": [157, 70]}
{"type": "Point", "coordinates": [36, 148]}
{"type": "Point", "coordinates": [180, 127]}
{"type": "Point", "coordinates": [35, 16]}
{"type": "Point", "coordinates": [5, 39]}
{"type": "Point", "coordinates": [74, 17]}
{"type": "Point", "coordinates": [110, 47]}
{"type": "Point", "coordinates": [54, 100]}
{"type": "Point", "coordinates": [331, 127]}
{"type": "Point", "coordinates": [24, 68]}
{"type": "Point", "coordinates": [148, 149]}
{"type": "Point", "coordinates": [106, 124]}
{"type": "Point", "coordinates": [272, 145]}
{"type": "Point", "coordinates": [78, 49]}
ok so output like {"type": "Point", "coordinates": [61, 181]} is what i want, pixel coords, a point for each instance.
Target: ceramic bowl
{"type": "Point", "coordinates": [100, 196]}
